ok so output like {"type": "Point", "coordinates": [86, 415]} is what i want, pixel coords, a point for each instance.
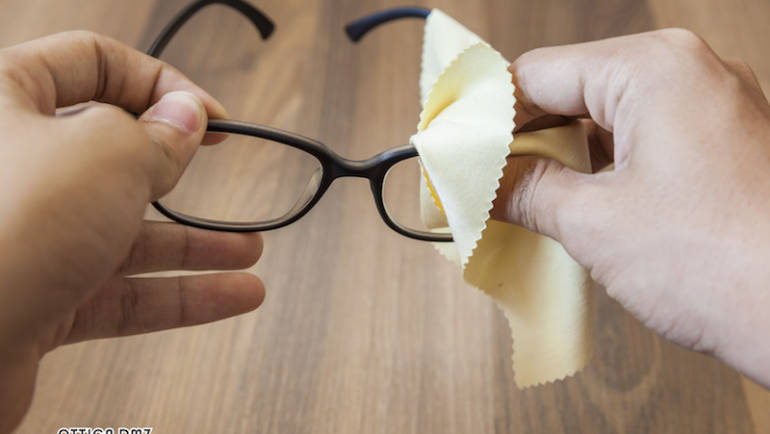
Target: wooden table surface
{"type": "Point", "coordinates": [362, 330]}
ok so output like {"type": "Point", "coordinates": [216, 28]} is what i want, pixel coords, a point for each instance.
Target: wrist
{"type": "Point", "coordinates": [747, 323]}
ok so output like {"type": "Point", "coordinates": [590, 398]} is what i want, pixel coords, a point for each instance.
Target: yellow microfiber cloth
{"type": "Point", "coordinates": [464, 135]}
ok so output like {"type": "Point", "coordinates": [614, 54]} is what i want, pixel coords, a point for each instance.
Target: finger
{"type": "Point", "coordinates": [529, 104]}
{"type": "Point", "coordinates": [176, 126]}
{"type": "Point", "coordinates": [607, 78]}
{"type": "Point", "coordinates": [73, 67]}
{"type": "Point", "coordinates": [540, 194]}
{"type": "Point", "coordinates": [128, 306]}
{"type": "Point", "coordinates": [163, 246]}
{"type": "Point", "coordinates": [570, 80]}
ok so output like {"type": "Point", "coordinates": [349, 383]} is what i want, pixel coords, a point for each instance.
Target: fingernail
{"type": "Point", "coordinates": [182, 110]}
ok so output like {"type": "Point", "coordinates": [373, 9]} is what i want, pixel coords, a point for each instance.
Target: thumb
{"type": "Point", "coordinates": [542, 195]}
{"type": "Point", "coordinates": [175, 125]}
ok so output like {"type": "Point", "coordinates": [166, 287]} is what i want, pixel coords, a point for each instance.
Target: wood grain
{"type": "Point", "coordinates": [364, 330]}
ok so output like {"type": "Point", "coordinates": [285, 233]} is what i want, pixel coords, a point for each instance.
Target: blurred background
{"type": "Point", "coordinates": [363, 330]}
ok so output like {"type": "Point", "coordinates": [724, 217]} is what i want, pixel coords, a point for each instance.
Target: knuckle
{"type": "Point", "coordinates": [84, 38]}
{"type": "Point", "coordinates": [667, 53]}
{"type": "Point", "coordinates": [670, 50]}
{"type": "Point", "coordinates": [682, 39]}
{"type": "Point", "coordinates": [87, 38]}
{"type": "Point", "coordinates": [530, 201]}
{"type": "Point", "coordinates": [182, 300]}
{"type": "Point", "coordinates": [93, 43]}
{"type": "Point", "coordinates": [129, 307]}
{"type": "Point", "coordinates": [738, 63]}
{"type": "Point", "coordinates": [742, 70]}
{"type": "Point", "coordinates": [133, 259]}
{"type": "Point", "coordinates": [185, 248]}
{"type": "Point", "coordinates": [81, 35]}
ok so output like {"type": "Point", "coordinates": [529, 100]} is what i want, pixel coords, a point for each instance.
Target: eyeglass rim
{"type": "Point", "coordinates": [333, 165]}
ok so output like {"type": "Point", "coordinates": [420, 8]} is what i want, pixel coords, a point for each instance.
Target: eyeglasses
{"type": "Point", "coordinates": [275, 177]}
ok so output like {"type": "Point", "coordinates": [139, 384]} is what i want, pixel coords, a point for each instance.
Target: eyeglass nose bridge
{"type": "Point", "coordinates": [344, 168]}
{"type": "Point", "coordinates": [372, 168]}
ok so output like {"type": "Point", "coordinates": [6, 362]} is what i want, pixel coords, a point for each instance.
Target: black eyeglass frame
{"type": "Point", "coordinates": [332, 164]}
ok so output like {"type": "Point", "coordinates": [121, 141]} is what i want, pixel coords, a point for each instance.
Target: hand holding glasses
{"type": "Point", "coordinates": [295, 171]}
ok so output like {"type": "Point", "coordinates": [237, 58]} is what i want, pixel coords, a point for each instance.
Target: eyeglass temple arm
{"type": "Point", "coordinates": [263, 24]}
{"type": "Point", "coordinates": [358, 28]}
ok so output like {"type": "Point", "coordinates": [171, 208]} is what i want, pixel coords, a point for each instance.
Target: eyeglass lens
{"type": "Point", "coordinates": [246, 179]}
